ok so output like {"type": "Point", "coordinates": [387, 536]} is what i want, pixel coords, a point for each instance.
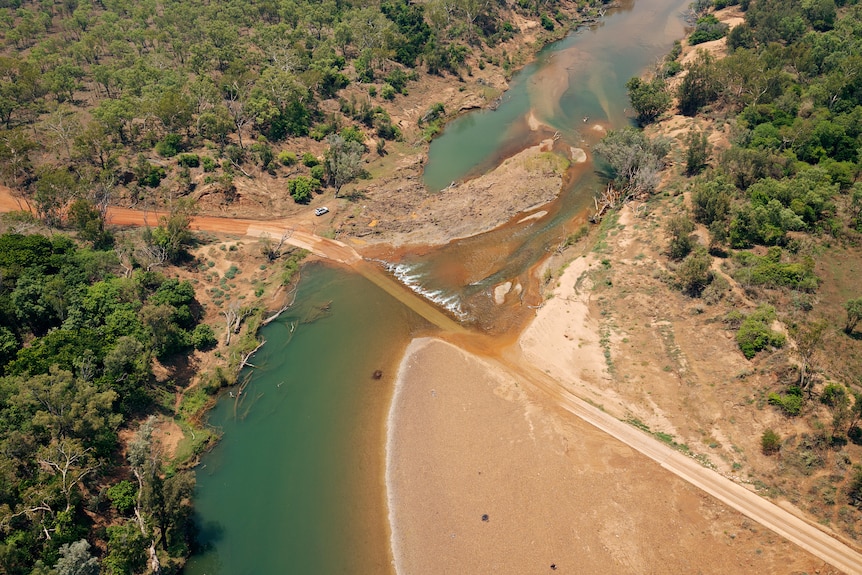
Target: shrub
{"type": "Point", "coordinates": [769, 271]}
{"type": "Point", "coordinates": [309, 160]}
{"type": "Point", "coordinates": [681, 240]}
{"type": "Point", "coordinates": [547, 23]}
{"type": "Point", "coordinates": [790, 403]}
{"type": "Point", "coordinates": [755, 334]}
{"type": "Point", "coordinates": [189, 160]}
{"type": "Point", "coordinates": [202, 337]}
{"type": "Point", "coordinates": [209, 164]}
{"type": "Point", "coordinates": [770, 442]}
{"type": "Point", "coordinates": [301, 188]}
{"type": "Point", "coordinates": [706, 29]}
{"type": "Point", "coordinates": [318, 172]}
{"type": "Point", "coordinates": [123, 496]}
{"type": "Point", "coordinates": [169, 146]}
{"type": "Point", "coordinates": [694, 273]}
{"type": "Point", "coordinates": [286, 158]}
{"type": "Point", "coordinates": [697, 152]}
{"type": "Point", "coordinates": [387, 92]}
{"type": "Point", "coordinates": [353, 134]}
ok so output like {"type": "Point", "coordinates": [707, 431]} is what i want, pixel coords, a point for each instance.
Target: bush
{"type": "Point", "coordinates": [353, 134]}
{"type": "Point", "coordinates": [189, 160]}
{"type": "Point", "coordinates": [547, 23]}
{"type": "Point", "coordinates": [123, 496]}
{"type": "Point", "coordinates": [791, 403]}
{"type": "Point", "coordinates": [209, 164]}
{"type": "Point", "coordinates": [694, 273]}
{"type": "Point", "coordinates": [202, 337]}
{"type": "Point", "coordinates": [301, 188]}
{"type": "Point", "coordinates": [169, 146]}
{"type": "Point", "coordinates": [755, 334]}
{"type": "Point", "coordinates": [770, 442]}
{"type": "Point", "coordinates": [318, 172]}
{"type": "Point", "coordinates": [309, 160]}
{"type": "Point", "coordinates": [706, 29]}
{"type": "Point", "coordinates": [286, 158]}
{"type": "Point", "coordinates": [387, 92]}
{"type": "Point", "coordinates": [697, 152]}
{"type": "Point", "coordinates": [769, 271]}
{"type": "Point", "coordinates": [681, 240]}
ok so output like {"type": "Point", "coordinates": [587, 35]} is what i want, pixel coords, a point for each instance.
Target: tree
{"type": "Point", "coordinates": [75, 559]}
{"type": "Point", "coordinates": [173, 234]}
{"type": "Point", "coordinates": [90, 223]}
{"type": "Point", "coordinates": [809, 338]}
{"type": "Point", "coordinates": [697, 153]}
{"type": "Point", "coordinates": [127, 549]}
{"type": "Point", "coordinates": [681, 240]}
{"type": "Point", "coordinates": [700, 86]}
{"type": "Point", "coordinates": [854, 314]}
{"type": "Point", "coordinates": [634, 160]}
{"type": "Point", "coordinates": [343, 161]}
{"type": "Point", "coordinates": [649, 99]}
{"type": "Point", "coordinates": [695, 273]}
{"type": "Point", "coordinates": [711, 200]}
{"type": "Point", "coordinates": [301, 188]}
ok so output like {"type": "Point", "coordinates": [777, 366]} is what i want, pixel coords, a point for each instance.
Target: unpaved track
{"type": "Point", "coordinates": [768, 514]}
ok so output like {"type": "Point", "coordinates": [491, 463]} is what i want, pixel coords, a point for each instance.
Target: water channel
{"type": "Point", "coordinates": [296, 484]}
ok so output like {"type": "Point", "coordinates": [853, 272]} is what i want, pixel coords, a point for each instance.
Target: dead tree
{"type": "Point", "coordinates": [234, 315]}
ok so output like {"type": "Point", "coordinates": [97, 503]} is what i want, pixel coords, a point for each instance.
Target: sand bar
{"type": "Point", "coordinates": [484, 475]}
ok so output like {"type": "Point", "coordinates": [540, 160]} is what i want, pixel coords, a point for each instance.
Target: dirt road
{"type": "Point", "coordinates": [768, 514]}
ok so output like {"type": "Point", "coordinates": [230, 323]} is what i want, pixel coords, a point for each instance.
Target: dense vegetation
{"type": "Point", "coordinates": [99, 99]}
{"type": "Point", "coordinates": [77, 342]}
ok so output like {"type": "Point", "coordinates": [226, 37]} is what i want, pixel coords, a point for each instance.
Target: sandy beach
{"type": "Point", "coordinates": [485, 474]}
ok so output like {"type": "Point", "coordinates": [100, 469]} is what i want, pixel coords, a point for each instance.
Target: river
{"type": "Point", "coordinates": [296, 484]}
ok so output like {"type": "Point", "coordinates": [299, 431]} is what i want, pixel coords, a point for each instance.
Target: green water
{"type": "Point", "coordinates": [581, 76]}
{"type": "Point", "coordinates": [295, 485]}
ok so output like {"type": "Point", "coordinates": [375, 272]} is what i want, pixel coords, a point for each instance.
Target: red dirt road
{"type": "Point", "coordinates": [301, 238]}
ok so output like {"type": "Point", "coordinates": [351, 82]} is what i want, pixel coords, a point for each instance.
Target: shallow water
{"type": "Point", "coordinates": [296, 484]}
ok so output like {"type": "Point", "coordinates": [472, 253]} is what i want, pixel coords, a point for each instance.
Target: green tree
{"type": "Point", "coordinates": [649, 99]}
{"type": "Point", "coordinates": [697, 152]}
{"type": "Point", "coordinates": [301, 188]}
{"type": "Point", "coordinates": [700, 86]}
{"type": "Point", "coordinates": [681, 241]}
{"type": "Point", "coordinates": [90, 223]}
{"type": "Point", "coordinates": [127, 549]}
{"type": "Point", "coordinates": [711, 200]}
{"type": "Point", "coordinates": [343, 161]}
{"type": "Point", "coordinates": [854, 314]}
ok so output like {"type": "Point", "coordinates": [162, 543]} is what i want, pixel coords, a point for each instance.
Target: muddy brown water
{"type": "Point", "coordinates": [297, 483]}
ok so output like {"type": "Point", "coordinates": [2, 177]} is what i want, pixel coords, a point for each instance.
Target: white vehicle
{"type": "Point", "coordinates": [321, 211]}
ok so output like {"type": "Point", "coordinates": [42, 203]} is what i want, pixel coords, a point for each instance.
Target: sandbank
{"type": "Point", "coordinates": [484, 474]}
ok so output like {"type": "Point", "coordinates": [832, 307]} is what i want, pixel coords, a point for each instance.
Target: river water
{"type": "Point", "coordinates": [296, 484]}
